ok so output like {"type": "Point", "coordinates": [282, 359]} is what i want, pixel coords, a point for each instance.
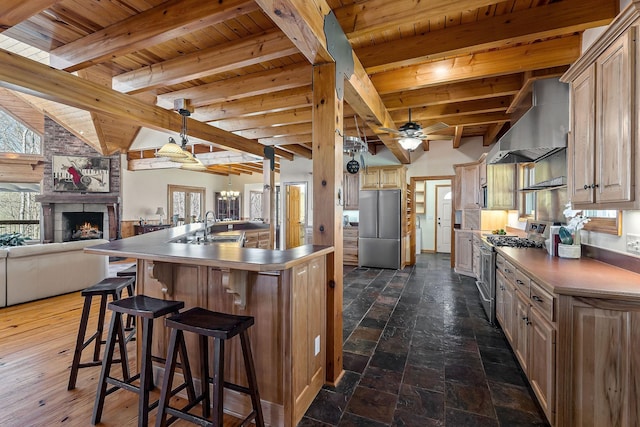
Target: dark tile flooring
{"type": "Point", "coordinates": [418, 351]}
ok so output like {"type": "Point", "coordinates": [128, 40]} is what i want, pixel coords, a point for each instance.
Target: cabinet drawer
{"type": "Point", "coordinates": [507, 269]}
{"type": "Point", "coordinates": [543, 301]}
{"type": "Point", "coordinates": [350, 232]}
{"type": "Point", "coordinates": [523, 283]}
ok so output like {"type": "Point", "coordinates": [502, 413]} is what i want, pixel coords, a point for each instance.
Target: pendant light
{"type": "Point", "coordinates": [171, 149]}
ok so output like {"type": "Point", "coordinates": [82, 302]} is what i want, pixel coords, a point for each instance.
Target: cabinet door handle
{"type": "Point", "coordinates": [595, 185]}
{"type": "Point", "coordinates": [536, 298]}
{"type": "Point", "coordinates": [519, 282]}
{"type": "Point", "coordinates": [586, 187]}
{"type": "Point", "coordinates": [506, 270]}
{"type": "Point", "coordinates": [525, 318]}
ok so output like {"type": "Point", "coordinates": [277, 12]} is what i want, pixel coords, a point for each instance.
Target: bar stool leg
{"type": "Point", "coordinates": [100, 327]}
{"type": "Point", "coordinates": [77, 353]}
{"type": "Point", "coordinates": [146, 380]}
{"type": "Point", "coordinates": [167, 381]}
{"type": "Point", "coordinates": [204, 375]}
{"type": "Point", "coordinates": [218, 381]}
{"type": "Point", "coordinates": [106, 368]}
{"type": "Point", "coordinates": [251, 377]}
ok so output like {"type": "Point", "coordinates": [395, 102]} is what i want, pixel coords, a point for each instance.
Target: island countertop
{"type": "Point", "coordinates": [157, 246]}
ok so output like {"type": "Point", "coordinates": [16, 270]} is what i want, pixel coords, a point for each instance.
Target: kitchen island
{"type": "Point", "coordinates": [284, 290]}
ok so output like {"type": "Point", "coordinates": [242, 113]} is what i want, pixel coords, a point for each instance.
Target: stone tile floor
{"type": "Point", "coordinates": [419, 351]}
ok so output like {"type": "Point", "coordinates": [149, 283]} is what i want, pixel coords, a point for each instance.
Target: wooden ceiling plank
{"type": "Point", "coordinates": [454, 92]}
{"type": "Point", "coordinates": [218, 59]}
{"type": "Point", "coordinates": [260, 83]}
{"type": "Point", "coordinates": [284, 154]}
{"type": "Point", "coordinates": [524, 26]}
{"type": "Point", "coordinates": [22, 111]}
{"type": "Point", "coordinates": [373, 16]}
{"type": "Point", "coordinates": [12, 12]}
{"type": "Point", "coordinates": [285, 140]}
{"type": "Point", "coordinates": [270, 102]}
{"type": "Point", "coordinates": [299, 150]}
{"type": "Point", "coordinates": [159, 24]}
{"type": "Point", "coordinates": [443, 111]}
{"type": "Point", "coordinates": [303, 22]}
{"type": "Point", "coordinates": [544, 54]}
{"type": "Point", "coordinates": [267, 132]}
{"type": "Point", "coordinates": [290, 117]}
{"type": "Point", "coordinates": [27, 76]}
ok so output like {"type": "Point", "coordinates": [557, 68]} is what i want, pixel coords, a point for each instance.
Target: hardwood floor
{"type": "Point", "coordinates": [36, 350]}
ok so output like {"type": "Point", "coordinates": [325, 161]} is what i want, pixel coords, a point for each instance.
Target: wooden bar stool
{"type": "Point", "coordinates": [220, 327]}
{"type": "Point", "coordinates": [109, 287]}
{"type": "Point", "coordinates": [130, 272]}
{"type": "Point", "coordinates": [146, 309]}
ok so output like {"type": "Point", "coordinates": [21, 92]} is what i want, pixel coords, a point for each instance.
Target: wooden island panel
{"type": "Point", "coordinates": [289, 310]}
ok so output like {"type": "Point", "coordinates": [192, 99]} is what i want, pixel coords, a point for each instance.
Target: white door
{"type": "Point", "coordinates": [443, 218]}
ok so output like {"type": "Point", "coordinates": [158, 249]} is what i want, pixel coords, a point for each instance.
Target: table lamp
{"type": "Point", "coordinates": [160, 212]}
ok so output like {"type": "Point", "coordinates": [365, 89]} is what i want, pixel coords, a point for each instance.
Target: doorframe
{"type": "Point", "coordinates": [412, 243]}
{"type": "Point", "coordinates": [283, 191]}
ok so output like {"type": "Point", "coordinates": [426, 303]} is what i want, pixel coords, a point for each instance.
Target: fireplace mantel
{"type": "Point", "coordinates": [77, 198]}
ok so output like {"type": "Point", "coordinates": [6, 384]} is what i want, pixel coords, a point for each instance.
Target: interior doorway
{"type": "Point", "coordinates": [295, 209]}
{"type": "Point", "coordinates": [443, 218]}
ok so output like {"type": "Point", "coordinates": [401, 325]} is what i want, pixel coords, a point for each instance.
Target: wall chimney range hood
{"type": "Point", "coordinates": [541, 131]}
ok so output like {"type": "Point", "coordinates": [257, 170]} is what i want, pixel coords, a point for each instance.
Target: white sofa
{"type": "Point", "coordinates": [43, 270]}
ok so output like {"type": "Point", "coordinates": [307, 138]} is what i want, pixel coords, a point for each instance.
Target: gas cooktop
{"type": "Point", "coordinates": [513, 241]}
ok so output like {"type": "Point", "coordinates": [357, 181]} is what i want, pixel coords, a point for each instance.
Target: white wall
{"type": "Point", "coordinates": [428, 218]}
{"type": "Point", "coordinates": [441, 157]}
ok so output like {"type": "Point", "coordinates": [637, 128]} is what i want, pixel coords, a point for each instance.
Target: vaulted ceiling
{"type": "Point", "coordinates": [245, 66]}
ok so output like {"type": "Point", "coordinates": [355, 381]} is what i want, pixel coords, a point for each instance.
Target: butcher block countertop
{"type": "Point", "coordinates": [584, 277]}
{"type": "Point", "coordinates": [156, 246]}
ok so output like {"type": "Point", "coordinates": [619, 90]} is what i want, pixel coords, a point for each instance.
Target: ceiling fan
{"type": "Point", "coordinates": [411, 134]}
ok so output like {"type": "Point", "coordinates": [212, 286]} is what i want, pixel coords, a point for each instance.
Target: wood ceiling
{"type": "Point", "coordinates": [246, 66]}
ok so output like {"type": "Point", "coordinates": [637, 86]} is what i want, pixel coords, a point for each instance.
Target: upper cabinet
{"type": "Point", "coordinates": [383, 177]}
{"type": "Point", "coordinates": [603, 150]}
{"type": "Point", "coordinates": [482, 173]}
{"type": "Point", "coordinates": [501, 186]}
{"type": "Point", "coordinates": [468, 175]}
{"type": "Point", "coordinates": [351, 191]}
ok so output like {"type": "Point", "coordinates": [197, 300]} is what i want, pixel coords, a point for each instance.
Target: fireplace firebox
{"type": "Point", "coordinates": [82, 225]}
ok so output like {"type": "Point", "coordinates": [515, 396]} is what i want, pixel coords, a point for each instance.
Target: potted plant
{"type": "Point", "coordinates": [12, 239]}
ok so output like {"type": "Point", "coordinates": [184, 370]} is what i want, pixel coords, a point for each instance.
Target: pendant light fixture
{"type": "Point", "coordinates": [171, 149]}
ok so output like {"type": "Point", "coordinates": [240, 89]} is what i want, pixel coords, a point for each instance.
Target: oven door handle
{"type": "Point", "coordinates": [480, 289]}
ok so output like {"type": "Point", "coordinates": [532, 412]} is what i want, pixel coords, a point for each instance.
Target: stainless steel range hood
{"type": "Point", "coordinates": [541, 131]}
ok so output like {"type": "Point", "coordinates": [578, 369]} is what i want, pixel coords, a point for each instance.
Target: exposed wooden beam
{"type": "Point", "coordinates": [272, 131]}
{"type": "Point", "coordinates": [457, 136]}
{"type": "Point", "coordinates": [454, 92]}
{"type": "Point", "coordinates": [218, 59]}
{"type": "Point", "coordinates": [375, 16]}
{"type": "Point", "coordinates": [284, 154]}
{"type": "Point", "coordinates": [545, 54]}
{"type": "Point", "coordinates": [159, 24]}
{"type": "Point", "coordinates": [425, 144]}
{"type": "Point", "coordinates": [491, 134]}
{"type": "Point", "coordinates": [455, 109]}
{"type": "Point", "coordinates": [298, 149]}
{"type": "Point", "coordinates": [259, 83]}
{"type": "Point", "coordinates": [472, 119]}
{"type": "Point", "coordinates": [303, 22]}
{"type": "Point", "coordinates": [12, 12]}
{"type": "Point", "coordinates": [24, 75]}
{"type": "Point", "coordinates": [268, 103]}
{"type": "Point", "coordinates": [521, 26]}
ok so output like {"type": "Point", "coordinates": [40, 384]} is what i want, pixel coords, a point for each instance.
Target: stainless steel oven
{"type": "Point", "coordinates": [487, 283]}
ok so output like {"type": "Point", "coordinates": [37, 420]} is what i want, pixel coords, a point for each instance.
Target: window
{"type": "Point", "coordinates": [19, 211]}
{"type": "Point", "coordinates": [604, 221]}
{"type": "Point", "coordinates": [17, 138]}
{"type": "Point", "coordinates": [526, 199]}
{"type": "Point", "coordinates": [186, 204]}
{"type": "Point", "coordinates": [228, 206]}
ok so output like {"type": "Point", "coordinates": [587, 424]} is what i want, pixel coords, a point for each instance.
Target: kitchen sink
{"type": "Point", "coordinates": [198, 239]}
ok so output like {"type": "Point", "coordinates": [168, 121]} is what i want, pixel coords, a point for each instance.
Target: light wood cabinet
{"type": "Point", "coordinates": [464, 252]}
{"type": "Point", "coordinates": [470, 187]}
{"type": "Point", "coordinates": [501, 186]}
{"type": "Point", "coordinates": [482, 173]}
{"type": "Point", "coordinates": [256, 239]}
{"type": "Point", "coordinates": [598, 363]}
{"type": "Point", "coordinates": [526, 313]}
{"type": "Point", "coordinates": [383, 177]}
{"type": "Point", "coordinates": [350, 246]}
{"type": "Point", "coordinates": [603, 142]}
{"type": "Point", "coordinates": [351, 191]}
{"type": "Point", "coordinates": [476, 256]}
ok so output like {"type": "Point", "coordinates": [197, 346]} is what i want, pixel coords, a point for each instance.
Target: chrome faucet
{"type": "Point", "coordinates": [206, 223]}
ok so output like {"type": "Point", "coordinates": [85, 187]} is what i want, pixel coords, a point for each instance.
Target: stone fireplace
{"type": "Point", "coordinates": [64, 215]}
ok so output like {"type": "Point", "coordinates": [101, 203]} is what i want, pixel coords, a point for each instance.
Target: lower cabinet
{"type": "Point", "coordinates": [527, 314]}
{"type": "Point", "coordinates": [350, 246]}
{"type": "Point", "coordinates": [464, 252]}
{"type": "Point", "coordinates": [256, 239]}
{"type": "Point", "coordinates": [598, 362]}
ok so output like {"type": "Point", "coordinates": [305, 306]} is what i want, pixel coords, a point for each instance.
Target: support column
{"type": "Point", "coordinates": [269, 200]}
{"type": "Point", "coordinates": [327, 205]}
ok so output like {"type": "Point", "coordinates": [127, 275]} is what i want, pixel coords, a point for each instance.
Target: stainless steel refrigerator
{"type": "Point", "coordinates": [379, 231]}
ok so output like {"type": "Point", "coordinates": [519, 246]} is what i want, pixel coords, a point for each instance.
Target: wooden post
{"type": "Point", "coordinates": [269, 200]}
{"type": "Point", "coordinates": [327, 206]}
